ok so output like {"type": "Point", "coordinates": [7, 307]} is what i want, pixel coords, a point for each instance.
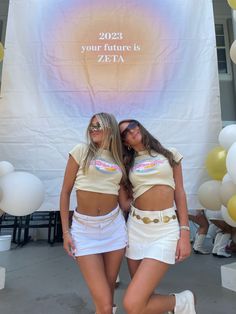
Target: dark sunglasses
{"type": "Point", "coordinates": [132, 125]}
{"type": "Point", "coordinates": [95, 127]}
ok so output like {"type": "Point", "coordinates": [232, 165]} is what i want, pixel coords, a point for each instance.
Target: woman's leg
{"type": "Point", "coordinates": [203, 223]}
{"type": "Point", "coordinates": [112, 262]}
{"type": "Point", "coordinates": [133, 266]}
{"type": "Point", "coordinates": [225, 228]}
{"type": "Point", "coordinates": [94, 272]}
{"type": "Point", "coordinates": [139, 297]}
{"type": "Point", "coordinates": [201, 220]}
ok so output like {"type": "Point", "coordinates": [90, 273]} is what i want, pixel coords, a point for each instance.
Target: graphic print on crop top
{"type": "Point", "coordinates": [148, 165]}
{"type": "Point", "coordinates": [105, 166]}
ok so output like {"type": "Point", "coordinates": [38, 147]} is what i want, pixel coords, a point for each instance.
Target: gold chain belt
{"type": "Point", "coordinates": [147, 220]}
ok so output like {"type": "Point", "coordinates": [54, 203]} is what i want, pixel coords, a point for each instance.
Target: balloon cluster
{"type": "Point", "coordinates": [21, 193]}
{"type": "Point", "coordinates": [220, 193]}
{"type": "Point", "coordinates": [232, 51]}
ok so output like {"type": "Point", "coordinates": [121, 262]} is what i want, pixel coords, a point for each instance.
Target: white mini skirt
{"type": "Point", "coordinates": [98, 234]}
{"type": "Point", "coordinates": [152, 234]}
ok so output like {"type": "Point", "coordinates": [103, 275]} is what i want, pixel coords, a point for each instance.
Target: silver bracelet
{"type": "Point", "coordinates": [184, 228]}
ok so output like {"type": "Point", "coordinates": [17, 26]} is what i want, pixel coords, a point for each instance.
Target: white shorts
{"type": "Point", "coordinates": [214, 214]}
{"type": "Point", "coordinates": [98, 234]}
{"type": "Point", "coordinates": [152, 234]}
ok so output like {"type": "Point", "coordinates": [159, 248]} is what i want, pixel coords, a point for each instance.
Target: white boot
{"type": "Point", "coordinates": [184, 303]}
{"type": "Point", "coordinates": [222, 245]}
{"type": "Point", "coordinates": [217, 243]}
{"type": "Point", "coordinates": [198, 244]}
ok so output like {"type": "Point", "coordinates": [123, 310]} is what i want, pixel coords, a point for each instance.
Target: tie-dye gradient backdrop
{"type": "Point", "coordinates": [151, 60]}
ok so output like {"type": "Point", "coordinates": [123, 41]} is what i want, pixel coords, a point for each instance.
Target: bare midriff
{"type": "Point", "coordinates": [159, 197]}
{"type": "Point", "coordinates": [95, 204]}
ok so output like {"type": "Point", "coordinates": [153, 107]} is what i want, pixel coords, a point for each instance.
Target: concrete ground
{"type": "Point", "coordinates": [42, 279]}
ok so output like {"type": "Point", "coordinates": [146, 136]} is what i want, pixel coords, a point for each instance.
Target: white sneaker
{"type": "Point", "coordinates": [184, 303]}
{"type": "Point", "coordinates": [114, 308]}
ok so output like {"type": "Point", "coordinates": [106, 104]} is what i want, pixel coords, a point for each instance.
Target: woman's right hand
{"type": "Point", "coordinates": [69, 245]}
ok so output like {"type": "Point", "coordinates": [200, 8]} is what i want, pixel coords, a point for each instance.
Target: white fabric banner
{"type": "Point", "coordinates": [154, 61]}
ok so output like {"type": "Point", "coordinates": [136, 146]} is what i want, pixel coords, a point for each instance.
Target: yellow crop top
{"type": "Point", "coordinates": [103, 175]}
{"type": "Point", "coordinates": [149, 171]}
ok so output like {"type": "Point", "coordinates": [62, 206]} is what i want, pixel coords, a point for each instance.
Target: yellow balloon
{"type": "Point", "coordinates": [216, 163]}
{"type": "Point", "coordinates": [1, 52]}
{"type": "Point", "coordinates": [231, 206]}
{"type": "Point", "coordinates": [232, 4]}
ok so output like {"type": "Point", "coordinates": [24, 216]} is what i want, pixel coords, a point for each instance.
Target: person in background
{"type": "Point", "coordinates": [98, 235]}
{"type": "Point", "coordinates": [231, 246]}
{"type": "Point", "coordinates": [198, 217]}
{"type": "Point", "coordinates": [157, 235]}
{"type": "Point", "coordinates": [223, 236]}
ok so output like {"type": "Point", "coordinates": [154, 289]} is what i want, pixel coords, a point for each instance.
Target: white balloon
{"type": "Point", "coordinates": [6, 167]}
{"type": "Point", "coordinates": [22, 193]}
{"type": "Point", "coordinates": [227, 136]}
{"type": "Point", "coordinates": [227, 190]}
{"type": "Point", "coordinates": [226, 217]}
{"type": "Point", "coordinates": [232, 52]}
{"type": "Point", "coordinates": [231, 162]}
{"type": "Point", "coordinates": [209, 195]}
{"type": "Point", "coordinates": [226, 178]}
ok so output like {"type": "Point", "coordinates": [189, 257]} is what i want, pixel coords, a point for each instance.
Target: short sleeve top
{"type": "Point", "coordinates": [149, 171]}
{"type": "Point", "coordinates": [103, 175]}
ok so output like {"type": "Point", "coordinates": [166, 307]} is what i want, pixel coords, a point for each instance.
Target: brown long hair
{"type": "Point", "coordinates": [149, 142]}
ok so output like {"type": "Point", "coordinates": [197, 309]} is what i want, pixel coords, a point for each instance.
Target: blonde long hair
{"type": "Point", "coordinates": [112, 141]}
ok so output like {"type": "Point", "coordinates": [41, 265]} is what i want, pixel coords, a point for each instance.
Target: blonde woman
{"type": "Point", "coordinates": [98, 236]}
{"type": "Point", "coordinates": [156, 238]}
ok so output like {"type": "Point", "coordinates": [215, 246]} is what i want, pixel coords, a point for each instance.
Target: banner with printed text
{"type": "Point", "coordinates": [65, 60]}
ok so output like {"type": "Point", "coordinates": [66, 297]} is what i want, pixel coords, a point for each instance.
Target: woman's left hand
{"type": "Point", "coordinates": [184, 248]}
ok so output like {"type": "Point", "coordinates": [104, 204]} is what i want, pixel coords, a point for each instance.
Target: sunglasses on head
{"type": "Point", "coordinates": [132, 125]}
{"type": "Point", "coordinates": [95, 127]}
